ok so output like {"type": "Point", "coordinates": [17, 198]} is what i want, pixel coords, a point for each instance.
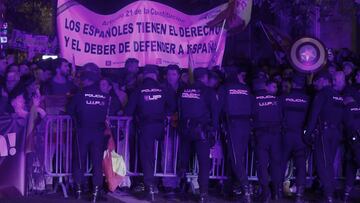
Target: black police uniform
{"type": "Point", "coordinates": [326, 115]}
{"type": "Point", "coordinates": [236, 104]}
{"type": "Point", "coordinates": [352, 126]}
{"type": "Point", "coordinates": [267, 124]}
{"type": "Point", "coordinates": [150, 103]}
{"type": "Point", "coordinates": [295, 108]}
{"type": "Point", "coordinates": [198, 111]}
{"type": "Point", "coordinates": [89, 109]}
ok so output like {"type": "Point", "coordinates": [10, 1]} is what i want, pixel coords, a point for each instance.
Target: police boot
{"type": "Point", "coordinates": [150, 193]}
{"type": "Point", "coordinates": [265, 196]}
{"type": "Point", "coordinates": [78, 191]}
{"type": "Point", "coordinates": [247, 194]}
{"type": "Point", "coordinates": [96, 195]}
{"type": "Point", "coordinates": [347, 194]}
{"type": "Point", "coordinates": [329, 199]}
{"type": "Point", "coordinates": [276, 192]}
{"type": "Point", "coordinates": [203, 198]}
{"type": "Point", "coordinates": [300, 194]}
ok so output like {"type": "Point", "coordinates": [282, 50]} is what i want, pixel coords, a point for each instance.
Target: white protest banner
{"type": "Point", "coordinates": [149, 31]}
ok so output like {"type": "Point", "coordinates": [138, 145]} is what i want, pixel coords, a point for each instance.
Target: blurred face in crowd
{"type": "Point", "coordinates": [24, 69]}
{"type": "Point", "coordinates": [185, 78]}
{"type": "Point", "coordinates": [331, 56]}
{"type": "Point", "coordinates": [64, 69]}
{"type": "Point", "coordinates": [10, 59]}
{"type": "Point", "coordinates": [105, 86]}
{"type": "Point", "coordinates": [3, 64]}
{"type": "Point", "coordinates": [271, 88]}
{"type": "Point", "coordinates": [285, 86]}
{"type": "Point", "coordinates": [12, 80]}
{"type": "Point", "coordinates": [204, 79]}
{"type": "Point", "coordinates": [339, 81]}
{"type": "Point", "coordinates": [321, 83]}
{"type": "Point", "coordinates": [132, 67]}
{"type": "Point", "coordinates": [19, 107]}
{"type": "Point", "coordinates": [213, 82]}
{"type": "Point", "coordinates": [332, 70]}
{"type": "Point", "coordinates": [242, 77]}
{"type": "Point", "coordinates": [172, 76]}
{"type": "Point", "coordinates": [357, 77]}
{"type": "Point", "coordinates": [46, 76]}
{"type": "Point", "coordinates": [347, 69]}
{"type": "Point", "coordinates": [13, 68]}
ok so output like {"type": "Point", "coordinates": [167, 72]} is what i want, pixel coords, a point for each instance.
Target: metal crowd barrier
{"type": "Point", "coordinates": [59, 143]}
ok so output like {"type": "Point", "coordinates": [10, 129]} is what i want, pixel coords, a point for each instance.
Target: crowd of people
{"type": "Point", "coordinates": [283, 114]}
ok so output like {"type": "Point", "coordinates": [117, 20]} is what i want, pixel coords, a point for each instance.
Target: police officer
{"type": "Point", "coordinates": [199, 120]}
{"type": "Point", "coordinates": [89, 110]}
{"type": "Point", "coordinates": [236, 103]}
{"type": "Point", "coordinates": [295, 107]}
{"type": "Point", "coordinates": [150, 103]}
{"type": "Point", "coordinates": [267, 124]}
{"type": "Point", "coordinates": [352, 130]}
{"type": "Point", "coordinates": [326, 112]}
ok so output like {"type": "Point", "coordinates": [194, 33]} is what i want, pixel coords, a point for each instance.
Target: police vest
{"type": "Point", "coordinates": [237, 100]}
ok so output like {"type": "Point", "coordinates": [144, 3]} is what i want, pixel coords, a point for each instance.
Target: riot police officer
{"type": "Point", "coordinates": [89, 110]}
{"type": "Point", "coordinates": [198, 120]}
{"type": "Point", "coordinates": [267, 124]}
{"type": "Point", "coordinates": [236, 103]}
{"type": "Point", "coordinates": [295, 107]}
{"type": "Point", "coordinates": [326, 115]}
{"type": "Point", "coordinates": [150, 103]}
{"type": "Point", "coordinates": [352, 130]}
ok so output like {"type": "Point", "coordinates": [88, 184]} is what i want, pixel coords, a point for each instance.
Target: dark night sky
{"type": "Point", "coordinates": [186, 6]}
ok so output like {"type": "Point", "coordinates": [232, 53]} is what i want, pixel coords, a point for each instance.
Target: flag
{"type": "Point", "coordinates": [237, 15]}
{"type": "Point", "coordinates": [280, 42]}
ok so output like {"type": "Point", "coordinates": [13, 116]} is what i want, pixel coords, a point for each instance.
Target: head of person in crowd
{"type": "Point", "coordinates": [132, 65]}
{"type": "Point", "coordinates": [357, 77]}
{"type": "Point", "coordinates": [3, 65]}
{"type": "Point", "coordinates": [288, 73]}
{"type": "Point", "coordinates": [31, 86]}
{"type": "Point", "coordinates": [322, 79]}
{"type": "Point", "coordinates": [298, 81]}
{"type": "Point", "coordinates": [201, 75]}
{"type": "Point", "coordinates": [11, 80]}
{"type": "Point", "coordinates": [24, 69]}
{"type": "Point", "coordinates": [277, 78]}
{"type": "Point", "coordinates": [339, 81]}
{"type": "Point", "coordinates": [332, 68]}
{"type": "Point", "coordinates": [12, 68]}
{"type": "Point", "coordinates": [213, 79]}
{"type": "Point", "coordinates": [151, 72]}
{"type": "Point", "coordinates": [105, 85]}
{"type": "Point", "coordinates": [173, 75]}
{"type": "Point", "coordinates": [285, 86]}
{"type": "Point", "coordinates": [271, 87]}
{"type": "Point", "coordinates": [258, 85]}
{"type": "Point", "coordinates": [87, 77]}
{"type": "Point", "coordinates": [330, 55]}
{"type": "Point", "coordinates": [241, 75]}
{"type": "Point", "coordinates": [185, 78]}
{"type": "Point", "coordinates": [62, 69]}
{"type": "Point", "coordinates": [17, 102]}
{"type": "Point", "coordinates": [348, 68]}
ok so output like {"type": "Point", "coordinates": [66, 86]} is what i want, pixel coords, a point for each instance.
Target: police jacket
{"type": "Point", "coordinates": [295, 108]}
{"type": "Point", "coordinates": [149, 102]}
{"type": "Point", "coordinates": [235, 100]}
{"type": "Point", "coordinates": [267, 112]}
{"type": "Point", "coordinates": [327, 109]}
{"type": "Point", "coordinates": [199, 103]}
{"type": "Point", "coordinates": [352, 118]}
{"type": "Point", "coordinates": [89, 108]}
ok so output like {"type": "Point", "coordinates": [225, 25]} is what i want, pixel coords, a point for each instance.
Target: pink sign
{"type": "Point", "coordinates": [149, 31]}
